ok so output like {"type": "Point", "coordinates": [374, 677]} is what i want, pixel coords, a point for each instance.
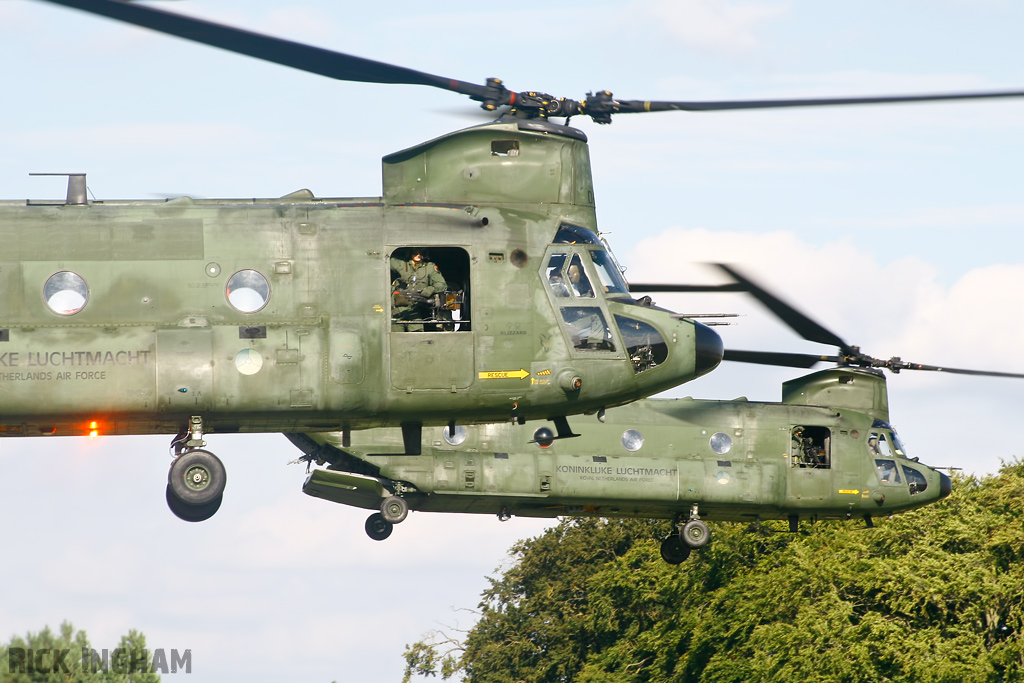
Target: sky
{"type": "Point", "coordinates": [897, 227]}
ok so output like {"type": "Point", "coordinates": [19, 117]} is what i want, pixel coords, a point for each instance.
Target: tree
{"type": "Point", "coordinates": [935, 594]}
{"type": "Point", "coordinates": [48, 657]}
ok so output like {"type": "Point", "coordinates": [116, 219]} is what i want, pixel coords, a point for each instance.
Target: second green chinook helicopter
{"type": "Point", "coordinates": [826, 451]}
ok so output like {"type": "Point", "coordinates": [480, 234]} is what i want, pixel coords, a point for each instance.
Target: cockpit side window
{"type": "Point", "coordinates": [888, 473]}
{"type": "Point", "coordinates": [915, 480]}
{"type": "Point", "coordinates": [644, 344]}
{"type": "Point", "coordinates": [578, 279]}
{"type": "Point", "coordinates": [811, 447]}
{"type": "Point", "coordinates": [555, 276]}
{"type": "Point", "coordinates": [878, 444]}
{"type": "Point", "coordinates": [587, 328]}
{"type": "Point", "coordinates": [885, 444]}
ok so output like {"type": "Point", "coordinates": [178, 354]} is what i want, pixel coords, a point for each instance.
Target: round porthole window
{"type": "Point", "coordinates": [632, 440]}
{"type": "Point", "coordinates": [248, 291]}
{"type": "Point", "coordinates": [721, 443]}
{"type": "Point", "coordinates": [65, 293]}
{"type": "Point", "coordinates": [457, 437]}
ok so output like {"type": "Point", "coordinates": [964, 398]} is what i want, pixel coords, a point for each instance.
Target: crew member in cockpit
{"type": "Point", "coordinates": [417, 280]}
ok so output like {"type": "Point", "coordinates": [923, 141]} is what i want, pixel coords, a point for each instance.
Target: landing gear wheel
{"type": "Point", "coordinates": [394, 509]}
{"type": "Point", "coordinates": [696, 533]}
{"type": "Point", "coordinates": [673, 550]}
{"type": "Point", "coordinates": [192, 513]}
{"type": "Point", "coordinates": [377, 527]}
{"type": "Point", "coordinates": [197, 477]}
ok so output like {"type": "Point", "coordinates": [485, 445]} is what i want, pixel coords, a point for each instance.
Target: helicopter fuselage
{"type": "Point", "coordinates": [265, 315]}
{"type": "Point", "coordinates": [657, 458]}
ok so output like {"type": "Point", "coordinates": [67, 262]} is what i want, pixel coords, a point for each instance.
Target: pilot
{"type": "Point", "coordinates": [873, 445]}
{"type": "Point", "coordinates": [417, 280]}
{"type": "Point", "coordinates": [580, 284]}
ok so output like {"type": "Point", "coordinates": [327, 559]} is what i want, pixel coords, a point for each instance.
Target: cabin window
{"type": "Point", "coordinates": [247, 291]}
{"type": "Point", "coordinates": [632, 440]}
{"type": "Point", "coordinates": [888, 472]}
{"type": "Point", "coordinates": [811, 447]}
{"type": "Point", "coordinates": [65, 293]}
{"type": "Point", "coordinates": [430, 289]}
{"type": "Point", "coordinates": [720, 443]}
{"type": "Point", "coordinates": [644, 344]}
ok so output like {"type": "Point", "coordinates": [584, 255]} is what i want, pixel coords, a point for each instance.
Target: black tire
{"type": "Point", "coordinates": [673, 550]}
{"type": "Point", "coordinates": [192, 513]}
{"type": "Point", "coordinates": [377, 527]}
{"type": "Point", "coordinates": [696, 533]}
{"type": "Point", "coordinates": [394, 509]}
{"type": "Point", "coordinates": [197, 477]}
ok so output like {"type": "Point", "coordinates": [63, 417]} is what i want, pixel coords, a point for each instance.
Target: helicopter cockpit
{"type": "Point", "coordinates": [885, 447]}
{"type": "Point", "coordinates": [578, 279]}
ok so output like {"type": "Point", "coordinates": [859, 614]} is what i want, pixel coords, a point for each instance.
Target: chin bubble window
{"type": "Point", "coordinates": [65, 293]}
{"type": "Point", "coordinates": [248, 291]}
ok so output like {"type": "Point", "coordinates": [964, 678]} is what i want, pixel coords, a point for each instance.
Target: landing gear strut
{"type": "Point", "coordinates": [196, 480]}
{"type": "Point", "coordinates": [377, 527]}
{"type": "Point", "coordinates": [393, 510]}
{"type": "Point", "coordinates": [685, 537]}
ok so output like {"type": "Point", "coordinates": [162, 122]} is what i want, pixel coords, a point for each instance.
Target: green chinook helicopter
{"type": "Point", "coordinates": [195, 316]}
{"type": "Point", "coordinates": [826, 451]}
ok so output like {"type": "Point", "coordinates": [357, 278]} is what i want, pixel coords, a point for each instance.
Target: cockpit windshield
{"type": "Point", "coordinates": [611, 279]}
{"type": "Point", "coordinates": [573, 234]}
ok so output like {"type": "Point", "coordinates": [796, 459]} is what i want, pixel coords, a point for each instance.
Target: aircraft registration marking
{"type": "Point", "coordinates": [504, 374]}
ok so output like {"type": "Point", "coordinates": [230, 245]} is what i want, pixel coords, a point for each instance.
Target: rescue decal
{"type": "Point", "coordinates": [504, 374]}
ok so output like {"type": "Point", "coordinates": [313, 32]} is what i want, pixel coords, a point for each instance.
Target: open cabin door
{"type": "Point", "coordinates": [431, 339]}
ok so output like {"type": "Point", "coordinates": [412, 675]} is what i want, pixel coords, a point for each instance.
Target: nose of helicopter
{"type": "Point", "coordinates": [945, 485]}
{"type": "Point", "coordinates": [709, 348]}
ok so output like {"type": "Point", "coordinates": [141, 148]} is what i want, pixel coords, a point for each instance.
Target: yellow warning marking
{"type": "Point", "coordinates": [504, 374]}
{"type": "Point", "coordinates": [543, 373]}
{"type": "Point", "coordinates": [853, 491]}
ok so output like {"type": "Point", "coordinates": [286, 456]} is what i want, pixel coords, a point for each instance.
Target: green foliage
{"type": "Point", "coordinates": [47, 657]}
{"type": "Point", "coordinates": [930, 596]}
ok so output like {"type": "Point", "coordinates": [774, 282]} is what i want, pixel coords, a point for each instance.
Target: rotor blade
{"type": "Point", "coordinates": [800, 323]}
{"type": "Point", "coordinates": [789, 360]}
{"type": "Point", "coordinates": [639, 106]}
{"type": "Point", "coordinates": [285, 52]}
{"type": "Point", "coordinates": [896, 365]}
{"type": "Point", "coordinates": [647, 287]}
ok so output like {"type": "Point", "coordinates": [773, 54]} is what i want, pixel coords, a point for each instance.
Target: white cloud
{"type": "Point", "coordinates": [895, 309]}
